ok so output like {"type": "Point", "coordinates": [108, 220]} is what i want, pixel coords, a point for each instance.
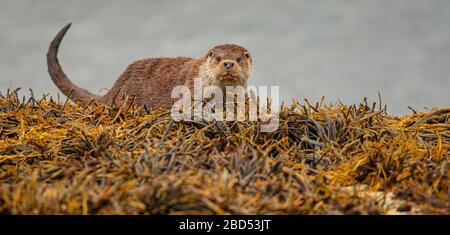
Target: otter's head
{"type": "Point", "coordinates": [229, 65]}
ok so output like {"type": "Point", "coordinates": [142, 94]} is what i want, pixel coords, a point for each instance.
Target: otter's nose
{"type": "Point", "coordinates": [228, 64]}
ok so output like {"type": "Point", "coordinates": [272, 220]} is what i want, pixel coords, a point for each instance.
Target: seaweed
{"type": "Point", "coordinates": [57, 157]}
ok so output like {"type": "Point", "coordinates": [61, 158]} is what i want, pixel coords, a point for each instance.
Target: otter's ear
{"type": "Point", "coordinates": [210, 54]}
{"type": "Point", "coordinates": [249, 57]}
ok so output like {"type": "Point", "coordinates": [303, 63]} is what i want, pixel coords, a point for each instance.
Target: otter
{"type": "Point", "coordinates": [150, 81]}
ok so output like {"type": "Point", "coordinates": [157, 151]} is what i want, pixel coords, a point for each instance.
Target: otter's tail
{"type": "Point", "coordinates": [59, 77]}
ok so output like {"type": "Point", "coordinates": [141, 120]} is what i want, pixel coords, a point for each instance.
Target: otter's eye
{"type": "Point", "coordinates": [238, 59]}
{"type": "Point", "coordinates": [218, 58]}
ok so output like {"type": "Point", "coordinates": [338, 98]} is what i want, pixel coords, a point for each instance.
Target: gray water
{"type": "Point", "coordinates": [341, 49]}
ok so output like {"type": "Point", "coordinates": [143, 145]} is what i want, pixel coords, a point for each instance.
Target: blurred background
{"type": "Point", "coordinates": [341, 49]}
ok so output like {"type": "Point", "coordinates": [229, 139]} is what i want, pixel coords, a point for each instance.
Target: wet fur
{"type": "Point", "coordinates": [150, 81]}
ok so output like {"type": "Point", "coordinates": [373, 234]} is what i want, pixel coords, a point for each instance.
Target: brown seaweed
{"type": "Point", "coordinates": [60, 158]}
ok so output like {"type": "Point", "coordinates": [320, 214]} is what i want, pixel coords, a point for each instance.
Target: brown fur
{"type": "Point", "coordinates": [150, 81]}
